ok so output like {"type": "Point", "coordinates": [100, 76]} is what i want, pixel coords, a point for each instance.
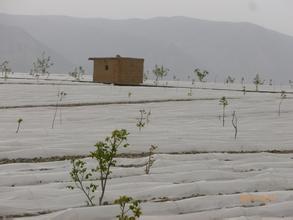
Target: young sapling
{"type": "Point", "coordinates": [19, 121]}
{"type": "Point", "coordinates": [5, 69]}
{"type": "Point", "coordinates": [224, 102]}
{"type": "Point", "coordinates": [230, 80]}
{"type": "Point", "coordinates": [79, 174]}
{"type": "Point", "coordinates": [41, 66]}
{"type": "Point", "coordinates": [291, 84]}
{"type": "Point", "coordinates": [244, 90]}
{"type": "Point", "coordinates": [189, 92]}
{"type": "Point", "coordinates": [77, 73]}
{"type": "Point", "coordinates": [257, 81]}
{"type": "Point", "coordinates": [283, 96]}
{"type": "Point", "coordinates": [105, 153]}
{"type": "Point", "coordinates": [145, 75]}
{"type": "Point", "coordinates": [128, 204]}
{"type": "Point", "coordinates": [242, 81]}
{"type": "Point", "coordinates": [129, 96]}
{"type": "Point", "coordinates": [235, 124]}
{"type": "Point", "coordinates": [60, 96]}
{"type": "Point", "coordinates": [148, 115]}
{"type": "Point", "coordinates": [151, 159]}
{"type": "Point", "coordinates": [201, 74]}
{"type": "Point", "coordinates": [160, 72]}
{"type": "Point", "coordinates": [141, 121]}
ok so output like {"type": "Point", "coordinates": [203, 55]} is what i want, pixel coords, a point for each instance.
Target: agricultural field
{"type": "Point", "coordinates": [200, 170]}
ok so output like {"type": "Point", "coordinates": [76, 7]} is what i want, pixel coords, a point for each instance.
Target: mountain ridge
{"type": "Point", "coordinates": [179, 43]}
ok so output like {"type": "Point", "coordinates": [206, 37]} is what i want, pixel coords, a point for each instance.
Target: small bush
{"type": "Point", "coordinates": [224, 102]}
{"type": "Point", "coordinates": [160, 72]}
{"type": "Point", "coordinates": [105, 153]}
{"type": "Point", "coordinates": [79, 174]}
{"type": "Point", "coordinates": [77, 73]}
{"type": "Point", "coordinates": [41, 66]}
{"type": "Point", "coordinates": [151, 159]}
{"type": "Point", "coordinates": [141, 121]}
{"type": "Point", "coordinates": [201, 74]}
{"type": "Point", "coordinates": [5, 69]}
{"type": "Point", "coordinates": [127, 205]}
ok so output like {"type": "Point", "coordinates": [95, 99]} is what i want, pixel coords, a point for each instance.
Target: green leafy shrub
{"type": "Point", "coordinates": [79, 174]}
{"type": "Point", "coordinates": [105, 153]}
{"type": "Point", "coordinates": [127, 205]}
{"type": "Point", "coordinates": [201, 74]}
{"type": "Point", "coordinates": [160, 72]}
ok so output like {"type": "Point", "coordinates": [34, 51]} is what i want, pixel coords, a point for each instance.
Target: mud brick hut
{"type": "Point", "coordinates": [118, 70]}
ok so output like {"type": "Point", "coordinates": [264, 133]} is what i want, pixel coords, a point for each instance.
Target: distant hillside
{"type": "Point", "coordinates": [181, 44]}
{"type": "Point", "coordinates": [21, 50]}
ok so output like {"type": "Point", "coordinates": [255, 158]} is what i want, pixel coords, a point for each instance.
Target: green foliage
{"type": "Point", "coordinates": [77, 73]}
{"type": "Point", "coordinates": [201, 74]}
{"type": "Point", "coordinates": [128, 204]}
{"type": "Point", "coordinates": [79, 174]}
{"type": "Point", "coordinates": [151, 159]}
{"type": "Point", "coordinates": [189, 92]}
{"type": "Point", "coordinates": [105, 153]}
{"type": "Point", "coordinates": [5, 69]}
{"type": "Point", "coordinates": [41, 66]}
{"type": "Point", "coordinates": [160, 72]}
{"type": "Point", "coordinates": [257, 81]}
{"type": "Point", "coordinates": [145, 75]}
{"type": "Point", "coordinates": [141, 121]}
{"type": "Point", "coordinates": [129, 95]}
{"type": "Point", "coordinates": [224, 102]}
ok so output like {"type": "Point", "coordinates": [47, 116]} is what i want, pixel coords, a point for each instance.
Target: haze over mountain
{"type": "Point", "coordinates": [179, 43]}
{"type": "Point", "coordinates": [21, 50]}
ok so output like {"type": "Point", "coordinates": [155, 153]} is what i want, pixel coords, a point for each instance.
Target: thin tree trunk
{"type": "Point", "coordinates": [280, 107]}
{"type": "Point", "coordinates": [235, 124]}
{"type": "Point", "coordinates": [223, 115]}
{"type": "Point", "coordinates": [17, 127]}
{"type": "Point", "coordinates": [54, 117]}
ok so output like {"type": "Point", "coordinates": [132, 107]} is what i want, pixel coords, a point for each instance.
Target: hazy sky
{"type": "Point", "coordinates": [274, 14]}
